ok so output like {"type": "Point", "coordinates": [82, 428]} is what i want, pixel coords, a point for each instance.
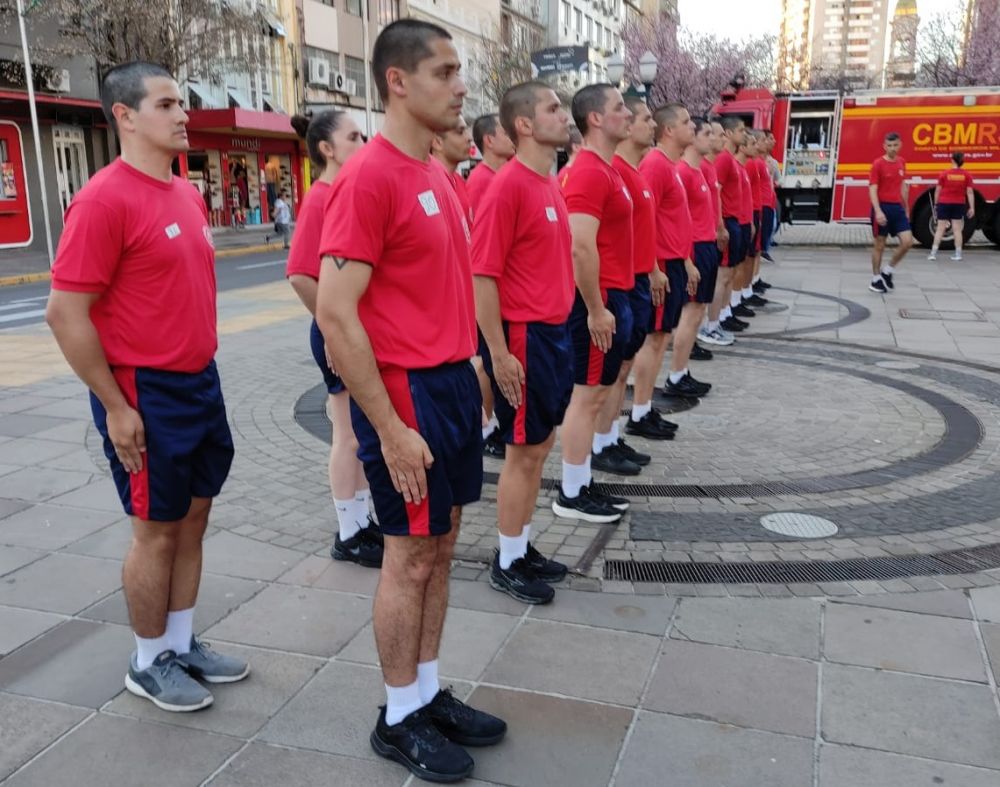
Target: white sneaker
{"type": "Point", "coordinates": [727, 335]}
{"type": "Point", "coordinates": [714, 337]}
{"type": "Point", "coordinates": [957, 256]}
{"type": "Point", "coordinates": [932, 255]}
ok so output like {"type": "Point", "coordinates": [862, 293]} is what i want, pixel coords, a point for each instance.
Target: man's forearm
{"type": "Point", "coordinates": [306, 288]}
{"type": "Point", "coordinates": [873, 198]}
{"type": "Point", "coordinates": [488, 314]}
{"type": "Point", "coordinates": [82, 348]}
{"type": "Point", "coordinates": [586, 272]}
{"type": "Point", "coordinates": [906, 198]}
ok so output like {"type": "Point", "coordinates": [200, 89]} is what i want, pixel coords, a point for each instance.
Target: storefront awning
{"type": "Point", "coordinates": [242, 122]}
{"type": "Point", "coordinates": [42, 98]}
{"type": "Point", "coordinates": [241, 100]}
{"type": "Point", "coordinates": [204, 95]}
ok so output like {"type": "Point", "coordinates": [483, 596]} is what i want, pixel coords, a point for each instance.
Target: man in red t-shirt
{"type": "Point", "coordinates": [600, 216]}
{"type": "Point", "coordinates": [523, 265]}
{"type": "Point", "coordinates": [889, 194]}
{"type": "Point", "coordinates": [136, 246]}
{"type": "Point", "coordinates": [451, 148]}
{"type": "Point", "coordinates": [954, 199]}
{"type": "Point", "coordinates": [496, 148]}
{"type": "Point", "coordinates": [713, 333]}
{"type": "Point", "coordinates": [611, 453]}
{"type": "Point", "coordinates": [397, 311]}
{"type": "Point", "coordinates": [743, 274]}
{"type": "Point", "coordinates": [732, 134]}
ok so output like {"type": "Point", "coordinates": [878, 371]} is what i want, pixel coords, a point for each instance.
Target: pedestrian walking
{"type": "Point", "coordinates": [282, 218]}
{"type": "Point", "coordinates": [955, 200]}
{"type": "Point", "coordinates": [890, 198]}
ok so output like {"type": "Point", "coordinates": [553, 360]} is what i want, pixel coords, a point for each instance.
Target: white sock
{"type": "Point", "coordinates": [347, 518]}
{"type": "Point", "coordinates": [488, 430]}
{"type": "Point", "coordinates": [427, 681]}
{"type": "Point", "coordinates": [876, 278]}
{"type": "Point", "coordinates": [713, 325]}
{"type": "Point", "coordinates": [601, 441]}
{"type": "Point", "coordinates": [886, 268]}
{"type": "Point", "coordinates": [364, 496]}
{"type": "Point", "coordinates": [180, 627]}
{"type": "Point", "coordinates": [747, 292]}
{"type": "Point", "coordinates": [934, 249]}
{"type": "Point", "coordinates": [640, 410]}
{"type": "Point", "coordinates": [512, 548]}
{"type": "Point", "coordinates": [574, 477]}
{"type": "Point", "coordinates": [616, 432]}
{"type": "Point", "coordinates": [401, 701]}
{"type": "Point", "coordinates": [676, 377]}
{"type": "Point", "coordinates": [735, 298]}
{"type": "Point", "coordinates": [149, 649]}
{"type": "Point", "coordinates": [726, 313]}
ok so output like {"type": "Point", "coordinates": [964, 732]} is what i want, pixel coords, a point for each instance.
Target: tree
{"type": "Point", "coordinates": [953, 51]}
{"type": "Point", "coordinates": [504, 61]}
{"type": "Point", "coordinates": [203, 38]}
{"type": "Point", "coordinates": [694, 68]}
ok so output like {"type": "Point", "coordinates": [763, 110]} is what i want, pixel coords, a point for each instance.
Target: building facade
{"type": "Point", "coordinates": [593, 24]}
{"type": "Point", "coordinates": [901, 67]}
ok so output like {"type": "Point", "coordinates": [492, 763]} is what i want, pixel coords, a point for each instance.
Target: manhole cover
{"type": "Point", "coordinates": [799, 525]}
{"type": "Point", "coordinates": [898, 365]}
{"type": "Point", "coordinates": [950, 315]}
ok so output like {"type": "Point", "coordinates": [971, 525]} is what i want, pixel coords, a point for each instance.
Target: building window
{"type": "Point", "coordinates": [388, 11]}
{"type": "Point", "coordinates": [590, 28]}
{"type": "Point", "coordinates": [354, 68]}
{"type": "Point", "coordinates": [354, 7]}
{"type": "Point", "coordinates": [505, 29]}
{"type": "Point", "coordinates": [578, 16]}
{"type": "Point", "coordinates": [566, 13]}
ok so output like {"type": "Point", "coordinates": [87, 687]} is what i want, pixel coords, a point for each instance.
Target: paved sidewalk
{"type": "Point", "coordinates": [864, 681]}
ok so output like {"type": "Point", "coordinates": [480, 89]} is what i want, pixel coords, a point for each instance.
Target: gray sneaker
{"type": "Point", "coordinates": [205, 664]}
{"type": "Point", "coordinates": [167, 685]}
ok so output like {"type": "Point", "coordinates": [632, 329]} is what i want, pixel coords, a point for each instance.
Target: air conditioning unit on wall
{"type": "Point", "coordinates": [338, 82]}
{"type": "Point", "coordinates": [58, 80]}
{"type": "Point", "coordinates": [319, 71]}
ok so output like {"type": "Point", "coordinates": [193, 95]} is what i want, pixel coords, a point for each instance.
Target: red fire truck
{"type": "Point", "coordinates": [826, 143]}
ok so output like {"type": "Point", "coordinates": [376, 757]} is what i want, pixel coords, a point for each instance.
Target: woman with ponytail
{"type": "Point", "coordinates": [955, 200]}
{"type": "Point", "coordinates": [331, 138]}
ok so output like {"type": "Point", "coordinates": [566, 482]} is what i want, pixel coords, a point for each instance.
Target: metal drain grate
{"type": "Point", "coordinates": [960, 561]}
{"type": "Point", "coordinates": [948, 315]}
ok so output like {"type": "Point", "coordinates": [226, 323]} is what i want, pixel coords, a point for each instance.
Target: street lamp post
{"type": "Point", "coordinates": [647, 70]}
{"type": "Point", "coordinates": [647, 73]}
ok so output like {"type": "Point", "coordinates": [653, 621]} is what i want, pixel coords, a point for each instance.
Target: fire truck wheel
{"type": "Point", "coordinates": [992, 230]}
{"type": "Point", "coordinates": [924, 225]}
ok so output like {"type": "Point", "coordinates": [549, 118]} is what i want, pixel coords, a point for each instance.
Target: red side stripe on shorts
{"type": "Point", "coordinates": [517, 343]}
{"type": "Point", "coordinates": [138, 483]}
{"type": "Point", "coordinates": [397, 385]}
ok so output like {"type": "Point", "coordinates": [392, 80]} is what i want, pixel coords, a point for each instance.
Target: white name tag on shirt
{"type": "Point", "coordinates": [550, 213]}
{"type": "Point", "coordinates": [625, 192]}
{"type": "Point", "coordinates": [429, 203]}
{"type": "Point", "coordinates": [172, 231]}
{"type": "Point", "coordinates": [646, 194]}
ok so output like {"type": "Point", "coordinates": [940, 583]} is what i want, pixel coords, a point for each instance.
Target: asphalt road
{"type": "Point", "coordinates": [25, 304]}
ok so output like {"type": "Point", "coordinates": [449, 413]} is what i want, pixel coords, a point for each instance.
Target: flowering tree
{"type": "Point", "coordinates": [694, 68]}
{"type": "Point", "coordinates": [955, 51]}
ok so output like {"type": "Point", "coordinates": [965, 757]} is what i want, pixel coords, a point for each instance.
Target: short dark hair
{"type": "Point", "coordinates": [634, 102]}
{"type": "Point", "coordinates": [731, 122]}
{"type": "Point", "coordinates": [892, 136]}
{"type": "Point", "coordinates": [481, 126]}
{"type": "Point", "coordinates": [402, 44]}
{"type": "Point", "coordinates": [519, 102]}
{"type": "Point", "coordinates": [958, 157]}
{"type": "Point", "coordinates": [126, 84]}
{"type": "Point", "coordinates": [590, 98]}
{"type": "Point", "coordinates": [667, 115]}
{"type": "Point", "coordinates": [316, 129]}
{"type": "Point", "coordinates": [700, 123]}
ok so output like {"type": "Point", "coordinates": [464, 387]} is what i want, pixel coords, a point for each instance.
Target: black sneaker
{"type": "Point", "coordinates": [597, 492]}
{"type": "Point", "coordinates": [878, 285]}
{"type": "Point", "coordinates": [767, 256]}
{"type": "Point", "coordinates": [756, 301]}
{"type": "Point", "coordinates": [733, 325]}
{"type": "Point", "coordinates": [586, 506]}
{"type": "Point", "coordinates": [686, 386]}
{"type": "Point", "coordinates": [887, 278]}
{"type": "Point", "coordinates": [631, 454]}
{"type": "Point", "coordinates": [494, 445]}
{"type": "Point", "coordinates": [651, 426]}
{"type": "Point", "coordinates": [418, 744]}
{"type": "Point", "coordinates": [546, 570]}
{"type": "Point", "coordinates": [743, 311]}
{"type": "Point", "coordinates": [519, 581]}
{"type": "Point", "coordinates": [763, 284]}
{"type": "Point", "coordinates": [364, 548]}
{"type": "Point", "coordinates": [611, 460]}
{"type": "Point", "coordinates": [464, 725]}
{"type": "Point", "coordinates": [699, 353]}
{"type": "Point", "coordinates": [759, 288]}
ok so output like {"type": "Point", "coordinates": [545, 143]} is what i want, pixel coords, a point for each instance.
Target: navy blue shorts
{"type": "Point", "coordinates": [481, 348]}
{"type": "Point", "coordinates": [706, 260]}
{"type": "Point", "coordinates": [739, 244]}
{"type": "Point", "coordinates": [334, 384]}
{"type": "Point", "coordinates": [590, 365]}
{"type": "Point", "coordinates": [896, 220]}
{"type": "Point", "coordinates": [445, 406]}
{"type": "Point", "coordinates": [546, 355]}
{"type": "Point", "coordinates": [667, 316]}
{"type": "Point", "coordinates": [755, 242]}
{"type": "Point", "coordinates": [767, 228]}
{"type": "Point", "coordinates": [189, 447]}
{"type": "Point", "coordinates": [951, 211]}
{"type": "Point", "coordinates": [640, 298]}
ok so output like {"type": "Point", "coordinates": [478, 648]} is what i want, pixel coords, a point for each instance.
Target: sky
{"type": "Point", "coordinates": [738, 20]}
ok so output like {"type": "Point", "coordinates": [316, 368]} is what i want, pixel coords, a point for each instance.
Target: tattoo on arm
{"type": "Point", "coordinates": [340, 262]}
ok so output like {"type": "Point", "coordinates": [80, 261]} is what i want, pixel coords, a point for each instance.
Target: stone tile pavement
{"type": "Point", "coordinates": [848, 684]}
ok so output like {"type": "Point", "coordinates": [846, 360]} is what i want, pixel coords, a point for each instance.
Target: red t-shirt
{"type": "Point", "coordinates": [768, 195]}
{"type": "Point", "coordinates": [889, 177]}
{"type": "Point", "coordinates": [595, 188]}
{"type": "Point", "coordinates": [700, 197]}
{"type": "Point", "coordinates": [479, 180]}
{"type": "Point", "coordinates": [712, 179]}
{"type": "Point", "coordinates": [402, 216]}
{"type": "Point", "coordinates": [463, 195]}
{"type": "Point", "coordinates": [522, 239]}
{"type": "Point", "coordinates": [953, 185]}
{"type": "Point", "coordinates": [303, 259]}
{"type": "Point", "coordinates": [758, 183]}
{"type": "Point", "coordinates": [673, 218]}
{"type": "Point", "coordinates": [730, 184]}
{"type": "Point", "coordinates": [643, 216]}
{"type": "Point", "coordinates": [745, 214]}
{"type": "Point", "coordinates": [146, 247]}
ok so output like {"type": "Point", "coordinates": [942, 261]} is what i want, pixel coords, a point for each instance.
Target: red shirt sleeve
{"type": "Point", "coordinates": [354, 219]}
{"type": "Point", "coordinates": [303, 259]}
{"type": "Point", "coordinates": [493, 232]}
{"type": "Point", "coordinates": [586, 191]}
{"type": "Point", "coordinates": [90, 248]}
{"type": "Point", "coordinates": [875, 177]}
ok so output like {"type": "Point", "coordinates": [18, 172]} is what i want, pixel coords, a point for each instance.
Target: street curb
{"type": "Point", "coordinates": [248, 250]}
{"type": "Point", "coordinates": [24, 278]}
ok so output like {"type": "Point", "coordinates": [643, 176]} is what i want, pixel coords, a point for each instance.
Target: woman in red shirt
{"type": "Point", "coordinates": [955, 200]}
